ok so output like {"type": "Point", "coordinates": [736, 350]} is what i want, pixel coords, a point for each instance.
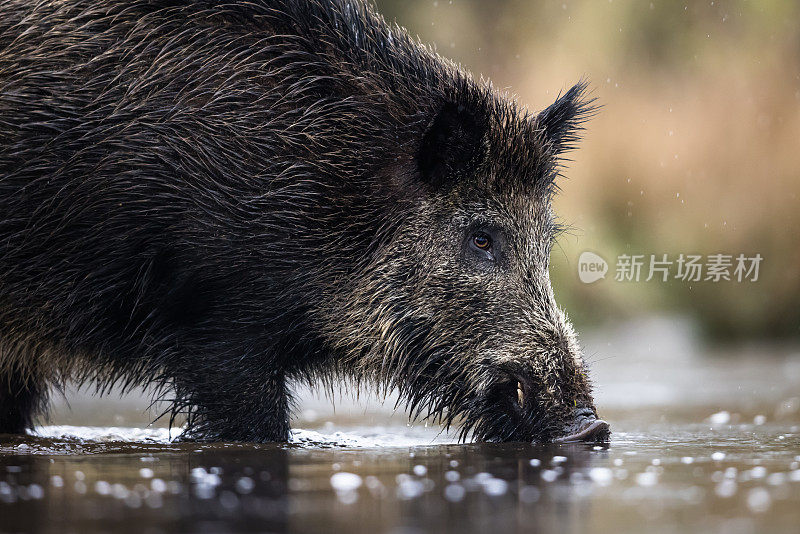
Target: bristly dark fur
{"type": "Point", "coordinates": [222, 198]}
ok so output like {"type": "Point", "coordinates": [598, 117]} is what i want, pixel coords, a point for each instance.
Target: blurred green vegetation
{"type": "Point", "coordinates": [696, 149]}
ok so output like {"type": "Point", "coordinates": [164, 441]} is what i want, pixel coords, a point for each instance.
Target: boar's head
{"type": "Point", "coordinates": [456, 309]}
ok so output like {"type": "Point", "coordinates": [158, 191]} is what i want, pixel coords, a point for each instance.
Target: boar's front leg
{"type": "Point", "coordinates": [22, 396]}
{"type": "Point", "coordinates": [232, 402]}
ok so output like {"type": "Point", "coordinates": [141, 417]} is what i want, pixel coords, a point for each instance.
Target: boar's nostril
{"type": "Point", "coordinates": [520, 394]}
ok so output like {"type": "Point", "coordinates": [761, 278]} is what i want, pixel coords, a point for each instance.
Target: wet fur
{"type": "Point", "coordinates": [220, 200]}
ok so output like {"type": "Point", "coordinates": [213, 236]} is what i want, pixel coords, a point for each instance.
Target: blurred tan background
{"type": "Point", "coordinates": [696, 149]}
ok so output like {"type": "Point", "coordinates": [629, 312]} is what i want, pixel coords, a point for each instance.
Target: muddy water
{"type": "Point", "coordinates": [703, 441]}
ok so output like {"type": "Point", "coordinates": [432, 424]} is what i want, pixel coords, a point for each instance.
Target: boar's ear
{"type": "Point", "coordinates": [560, 123]}
{"type": "Point", "coordinates": [452, 145]}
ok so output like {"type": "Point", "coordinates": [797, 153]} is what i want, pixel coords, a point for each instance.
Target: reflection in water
{"type": "Point", "coordinates": [123, 488]}
{"type": "Point", "coordinates": [734, 478]}
{"type": "Point", "coordinates": [700, 444]}
{"type": "Point", "coordinates": [443, 488]}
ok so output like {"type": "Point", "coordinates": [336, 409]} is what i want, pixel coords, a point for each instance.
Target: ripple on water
{"type": "Point", "coordinates": [692, 468]}
{"type": "Point", "coordinates": [69, 438]}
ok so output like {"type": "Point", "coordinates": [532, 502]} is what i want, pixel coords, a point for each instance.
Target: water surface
{"type": "Point", "coordinates": [704, 441]}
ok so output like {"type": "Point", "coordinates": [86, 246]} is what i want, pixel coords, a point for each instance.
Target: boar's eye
{"type": "Point", "coordinates": [485, 246]}
{"type": "Point", "coordinates": [482, 241]}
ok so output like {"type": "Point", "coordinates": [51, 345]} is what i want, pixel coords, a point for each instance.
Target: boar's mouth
{"type": "Point", "coordinates": [505, 412]}
{"type": "Point", "coordinates": [509, 411]}
{"type": "Point", "coordinates": [585, 427]}
{"type": "Point", "coordinates": [596, 431]}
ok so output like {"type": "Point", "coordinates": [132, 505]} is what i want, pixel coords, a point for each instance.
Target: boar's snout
{"type": "Point", "coordinates": [586, 427]}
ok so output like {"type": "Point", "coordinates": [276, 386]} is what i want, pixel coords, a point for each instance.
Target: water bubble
{"type": "Point", "coordinates": [495, 487]}
{"type": "Point", "coordinates": [452, 476]}
{"type": "Point", "coordinates": [420, 470]}
{"type": "Point", "coordinates": [203, 491]}
{"type": "Point", "coordinates": [759, 420]}
{"type": "Point", "coordinates": [245, 485]}
{"type": "Point", "coordinates": [648, 478]}
{"type": "Point", "coordinates": [601, 475]}
{"type": "Point", "coordinates": [102, 487]}
{"type": "Point", "coordinates": [197, 473]}
{"type": "Point", "coordinates": [776, 479]}
{"type": "Point", "coordinates": [718, 456]}
{"type": "Point", "coordinates": [726, 488]}
{"type": "Point", "coordinates": [344, 481]}
{"type": "Point", "coordinates": [146, 472]}
{"type": "Point", "coordinates": [119, 491]}
{"type": "Point", "coordinates": [133, 500]}
{"type": "Point", "coordinates": [535, 462]}
{"type": "Point", "coordinates": [409, 489]}
{"type": "Point", "coordinates": [549, 475]}
{"type": "Point", "coordinates": [375, 486]}
{"type": "Point", "coordinates": [7, 495]}
{"type": "Point", "coordinates": [758, 500]}
{"type": "Point", "coordinates": [720, 418]}
{"type": "Point", "coordinates": [758, 471]}
{"type": "Point", "coordinates": [482, 477]}
{"type": "Point", "coordinates": [454, 492]}
{"type": "Point", "coordinates": [35, 491]}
